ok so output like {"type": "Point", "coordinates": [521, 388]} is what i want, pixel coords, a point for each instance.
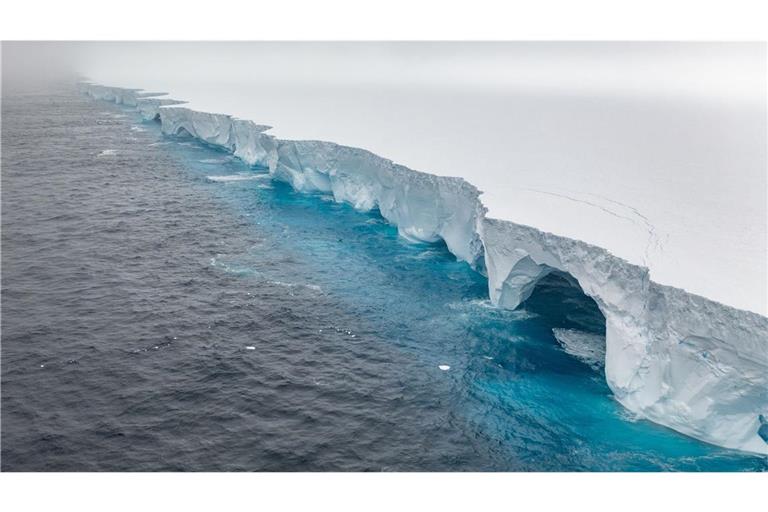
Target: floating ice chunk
{"type": "Point", "coordinates": [212, 160]}
{"type": "Point", "coordinates": [587, 347]}
{"type": "Point", "coordinates": [250, 347]}
{"type": "Point", "coordinates": [236, 177]}
{"type": "Point", "coordinates": [108, 152]}
{"type": "Point", "coordinates": [444, 367]}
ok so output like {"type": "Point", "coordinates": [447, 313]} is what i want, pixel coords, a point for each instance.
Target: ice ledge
{"type": "Point", "coordinates": [675, 358]}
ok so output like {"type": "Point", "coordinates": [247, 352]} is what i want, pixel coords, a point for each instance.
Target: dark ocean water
{"type": "Point", "coordinates": [154, 318]}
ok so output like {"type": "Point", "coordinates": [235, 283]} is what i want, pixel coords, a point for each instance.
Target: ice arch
{"type": "Point", "coordinates": [559, 297]}
{"type": "Point", "coordinates": [675, 358]}
{"type": "Point", "coordinates": [578, 325]}
{"type": "Point", "coordinates": [182, 132]}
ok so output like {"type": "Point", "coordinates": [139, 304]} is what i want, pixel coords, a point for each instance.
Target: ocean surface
{"type": "Point", "coordinates": [167, 308]}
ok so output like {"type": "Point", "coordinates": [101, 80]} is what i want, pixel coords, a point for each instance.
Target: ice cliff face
{"type": "Point", "coordinates": [424, 207]}
{"type": "Point", "coordinates": [245, 139]}
{"type": "Point", "coordinates": [675, 358]}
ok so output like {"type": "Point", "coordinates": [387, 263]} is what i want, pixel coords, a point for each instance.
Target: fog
{"type": "Point", "coordinates": [28, 65]}
{"type": "Point", "coordinates": [730, 72]}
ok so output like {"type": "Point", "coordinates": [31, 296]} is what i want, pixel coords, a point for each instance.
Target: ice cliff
{"type": "Point", "coordinates": [675, 358]}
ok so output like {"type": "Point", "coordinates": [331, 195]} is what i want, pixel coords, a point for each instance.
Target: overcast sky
{"type": "Point", "coordinates": [734, 72]}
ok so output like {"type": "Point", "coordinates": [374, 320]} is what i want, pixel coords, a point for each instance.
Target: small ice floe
{"type": "Point", "coordinates": [243, 176]}
{"type": "Point", "coordinates": [215, 160]}
{"type": "Point", "coordinates": [587, 347]}
{"type": "Point", "coordinates": [444, 367]}
{"type": "Point", "coordinates": [250, 347]}
{"type": "Point", "coordinates": [164, 143]}
{"type": "Point", "coordinates": [137, 129]}
{"type": "Point", "coordinates": [108, 152]}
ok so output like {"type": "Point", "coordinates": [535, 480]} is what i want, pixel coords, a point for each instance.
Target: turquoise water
{"type": "Point", "coordinates": [168, 308]}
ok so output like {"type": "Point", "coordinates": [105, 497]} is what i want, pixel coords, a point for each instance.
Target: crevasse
{"type": "Point", "coordinates": [675, 358]}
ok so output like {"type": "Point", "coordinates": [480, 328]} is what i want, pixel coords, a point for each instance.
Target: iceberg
{"type": "Point", "coordinates": [676, 358]}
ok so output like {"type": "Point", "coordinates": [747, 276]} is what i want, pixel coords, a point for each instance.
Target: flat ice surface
{"type": "Point", "coordinates": [656, 152]}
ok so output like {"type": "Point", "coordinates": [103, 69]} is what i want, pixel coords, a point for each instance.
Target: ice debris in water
{"type": "Point", "coordinates": [215, 160]}
{"type": "Point", "coordinates": [250, 347]}
{"type": "Point", "coordinates": [587, 347]}
{"type": "Point", "coordinates": [444, 367]}
{"type": "Point", "coordinates": [236, 177]}
{"type": "Point", "coordinates": [108, 152]}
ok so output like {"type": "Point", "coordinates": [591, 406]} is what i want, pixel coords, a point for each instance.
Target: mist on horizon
{"type": "Point", "coordinates": [729, 72]}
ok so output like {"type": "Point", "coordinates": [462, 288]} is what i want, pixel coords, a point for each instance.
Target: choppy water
{"type": "Point", "coordinates": [167, 308]}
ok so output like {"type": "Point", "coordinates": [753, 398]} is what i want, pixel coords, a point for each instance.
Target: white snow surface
{"type": "Point", "coordinates": [621, 187]}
